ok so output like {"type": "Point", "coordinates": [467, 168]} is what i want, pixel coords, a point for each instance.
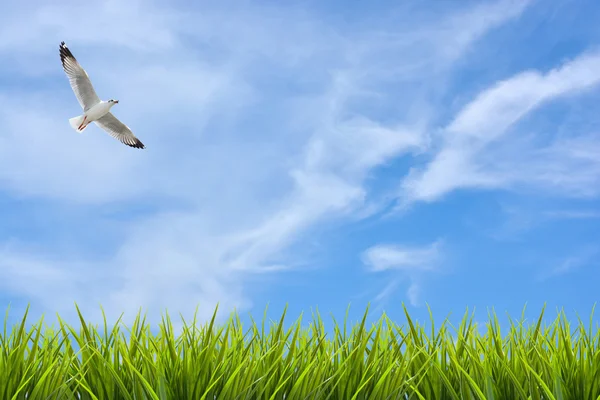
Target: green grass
{"type": "Point", "coordinates": [364, 361]}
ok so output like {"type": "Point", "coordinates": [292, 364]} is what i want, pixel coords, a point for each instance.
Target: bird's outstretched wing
{"type": "Point", "coordinates": [119, 130]}
{"type": "Point", "coordinates": [80, 82]}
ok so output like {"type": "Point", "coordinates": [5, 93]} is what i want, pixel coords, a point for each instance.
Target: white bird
{"type": "Point", "coordinates": [94, 110]}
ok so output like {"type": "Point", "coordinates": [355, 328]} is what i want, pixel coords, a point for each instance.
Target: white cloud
{"type": "Point", "coordinates": [387, 291]}
{"type": "Point", "coordinates": [584, 256]}
{"type": "Point", "coordinates": [407, 258]}
{"type": "Point", "coordinates": [467, 28]}
{"type": "Point", "coordinates": [236, 168]}
{"type": "Point", "coordinates": [569, 167]}
{"type": "Point", "coordinates": [413, 294]}
{"type": "Point", "coordinates": [412, 261]}
{"type": "Point", "coordinates": [468, 157]}
{"type": "Point", "coordinates": [499, 107]}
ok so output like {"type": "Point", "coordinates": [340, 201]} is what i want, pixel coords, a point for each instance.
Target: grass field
{"type": "Point", "coordinates": [277, 360]}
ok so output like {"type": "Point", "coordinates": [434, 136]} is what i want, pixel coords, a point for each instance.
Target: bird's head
{"type": "Point", "coordinates": [113, 102]}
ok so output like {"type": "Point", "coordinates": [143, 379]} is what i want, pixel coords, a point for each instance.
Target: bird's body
{"type": "Point", "coordinates": [97, 111]}
{"type": "Point", "coordinates": [94, 109]}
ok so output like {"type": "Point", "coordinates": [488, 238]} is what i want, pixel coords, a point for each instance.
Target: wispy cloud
{"type": "Point", "coordinates": [410, 261]}
{"type": "Point", "coordinates": [468, 158]}
{"type": "Point", "coordinates": [413, 294]}
{"type": "Point", "coordinates": [406, 258]}
{"type": "Point", "coordinates": [585, 256]}
{"type": "Point", "coordinates": [522, 217]}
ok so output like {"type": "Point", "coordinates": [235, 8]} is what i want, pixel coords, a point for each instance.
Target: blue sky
{"type": "Point", "coordinates": [315, 154]}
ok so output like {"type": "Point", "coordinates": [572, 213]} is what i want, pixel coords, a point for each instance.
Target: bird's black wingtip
{"type": "Point", "coordinates": [65, 53]}
{"type": "Point", "coordinates": [137, 145]}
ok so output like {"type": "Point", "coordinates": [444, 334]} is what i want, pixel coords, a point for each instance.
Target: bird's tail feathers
{"type": "Point", "coordinates": [77, 123]}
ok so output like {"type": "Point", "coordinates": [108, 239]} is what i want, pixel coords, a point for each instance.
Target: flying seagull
{"type": "Point", "coordinates": [94, 109]}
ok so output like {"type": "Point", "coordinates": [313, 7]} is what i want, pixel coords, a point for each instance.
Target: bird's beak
{"type": "Point", "coordinates": [116, 101]}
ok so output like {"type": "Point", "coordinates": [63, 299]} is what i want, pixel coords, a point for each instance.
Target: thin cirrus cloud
{"type": "Point", "coordinates": [580, 259]}
{"type": "Point", "coordinates": [241, 159]}
{"type": "Point", "coordinates": [411, 262]}
{"type": "Point", "coordinates": [404, 258]}
{"type": "Point", "coordinates": [483, 122]}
